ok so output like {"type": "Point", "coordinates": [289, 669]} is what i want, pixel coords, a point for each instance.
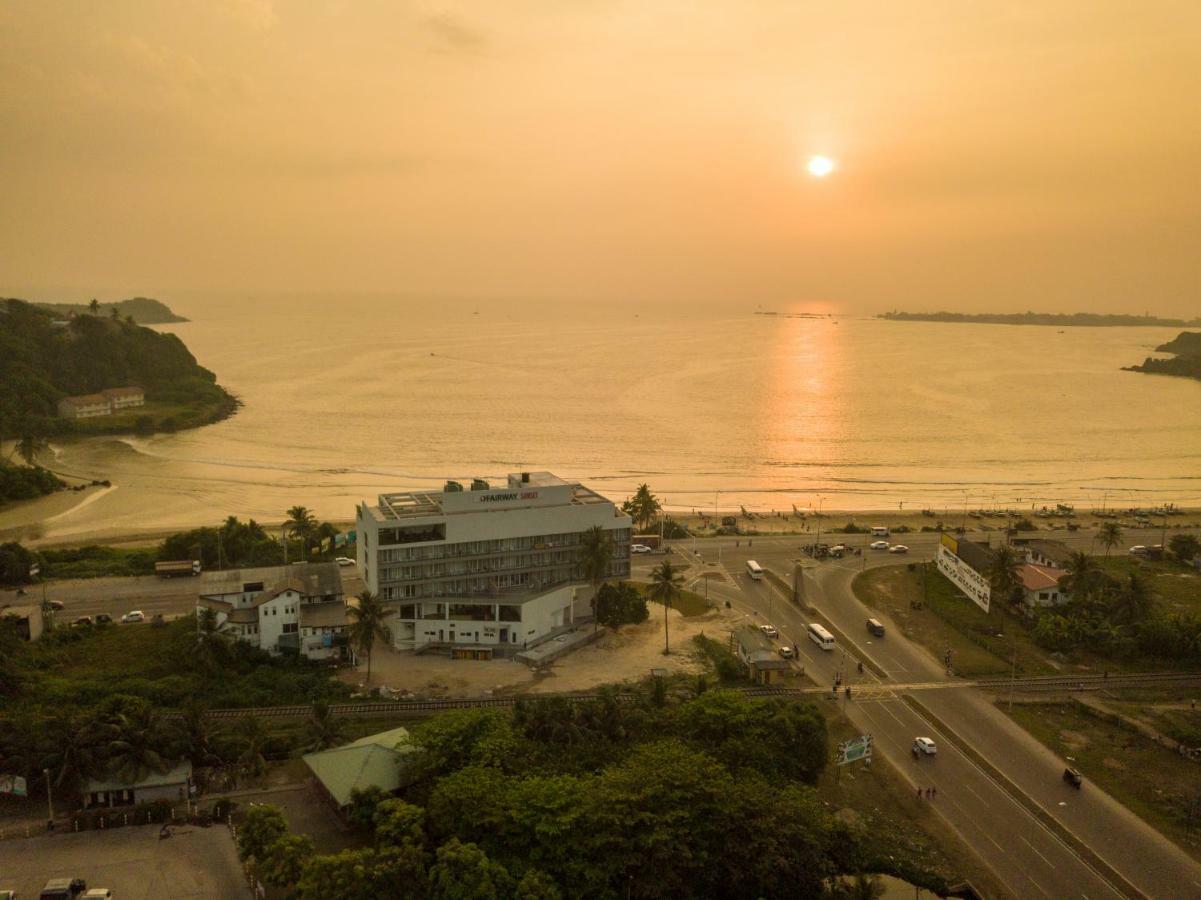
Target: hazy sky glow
{"type": "Point", "coordinates": [990, 156]}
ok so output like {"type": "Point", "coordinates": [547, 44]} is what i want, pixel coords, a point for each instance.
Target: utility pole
{"type": "Point", "coordinates": [1013, 678]}
{"type": "Point", "coordinates": [49, 802]}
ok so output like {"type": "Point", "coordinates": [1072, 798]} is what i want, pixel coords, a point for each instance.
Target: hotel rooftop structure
{"type": "Point", "coordinates": [484, 570]}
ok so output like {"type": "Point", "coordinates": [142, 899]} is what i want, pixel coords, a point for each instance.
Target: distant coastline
{"type": "Point", "coordinates": [1076, 320]}
{"type": "Point", "coordinates": [1184, 363]}
{"type": "Point", "coordinates": [143, 310]}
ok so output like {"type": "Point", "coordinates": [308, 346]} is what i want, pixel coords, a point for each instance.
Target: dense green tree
{"type": "Point", "coordinates": [301, 524]}
{"type": "Point", "coordinates": [464, 872]}
{"type": "Point", "coordinates": [399, 822]}
{"type": "Point", "coordinates": [393, 872]}
{"type": "Point", "coordinates": [537, 885]}
{"type": "Point", "coordinates": [262, 825]}
{"type": "Point", "coordinates": [1132, 602]}
{"type": "Point", "coordinates": [665, 587]}
{"type": "Point", "coordinates": [363, 804]}
{"type": "Point", "coordinates": [368, 623]}
{"type": "Point", "coordinates": [284, 860]}
{"type": "Point", "coordinates": [465, 737]}
{"type": "Point", "coordinates": [94, 306]}
{"type": "Point", "coordinates": [15, 564]}
{"type": "Point", "coordinates": [1084, 580]}
{"type": "Point", "coordinates": [1185, 547]}
{"type": "Point", "coordinates": [619, 604]}
{"type": "Point", "coordinates": [249, 743]}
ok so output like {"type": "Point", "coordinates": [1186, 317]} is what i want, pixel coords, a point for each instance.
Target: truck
{"type": "Point", "coordinates": [63, 889]}
{"type": "Point", "coordinates": [176, 568]}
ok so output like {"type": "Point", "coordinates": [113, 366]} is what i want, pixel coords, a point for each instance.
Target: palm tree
{"type": "Point", "coordinates": [595, 555]}
{"type": "Point", "coordinates": [325, 729]}
{"type": "Point", "coordinates": [665, 587]}
{"type": "Point", "coordinates": [29, 446]}
{"type": "Point", "coordinates": [368, 625]}
{"type": "Point", "coordinates": [114, 314]}
{"type": "Point", "coordinates": [139, 744]}
{"type": "Point", "coordinates": [211, 646]}
{"type": "Point", "coordinates": [1003, 572]}
{"type": "Point", "coordinates": [1082, 577]}
{"type": "Point", "coordinates": [644, 506]}
{"type": "Point", "coordinates": [1132, 603]}
{"type": "Point", "coordinates": [251, 740]}
{"type": "Point", "coordinates": [196, 737]}
{"type": "Point", "coordinates": [94, 306]}
{"type": "Point", "coordinates": [301, 524]}
{"type": "Point", "coordinates": [1110, 536]}
{"type": "Point", "coordinates": [76, 749]}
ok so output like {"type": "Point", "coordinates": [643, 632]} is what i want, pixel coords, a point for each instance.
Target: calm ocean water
{"type": "Point", "coordinates": [347, 398]}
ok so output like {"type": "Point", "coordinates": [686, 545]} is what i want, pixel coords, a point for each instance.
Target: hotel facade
{"type": "Point", "coordinates": [483, 569]}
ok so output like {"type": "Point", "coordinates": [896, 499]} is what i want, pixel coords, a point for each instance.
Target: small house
{"type": "Point", "coordinates": [114, 791]}
{"type": "Point", "coordinates": [375, 761]}
{"type": "Point", "coordinates": [1040, 586]}
{"type": "Point", "coordinates": [762, 661]}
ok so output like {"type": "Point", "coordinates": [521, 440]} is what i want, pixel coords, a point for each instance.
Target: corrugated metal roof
{"type": "Point", "coordinates": [176, 775]}
{"type": "Point", "coordinates": [373, 761]}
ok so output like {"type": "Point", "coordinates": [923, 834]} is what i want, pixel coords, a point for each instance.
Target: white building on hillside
{"type": "Point", "coordinates": [297, 607]}
{"type": "Point", "coordinates": [484, 569]}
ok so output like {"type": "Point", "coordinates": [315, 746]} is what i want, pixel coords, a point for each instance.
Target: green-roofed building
{"type": "Point", "coordinates": [373, 761]}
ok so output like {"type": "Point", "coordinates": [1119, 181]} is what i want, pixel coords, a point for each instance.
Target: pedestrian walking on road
{"type": "Point", "coordinates": [934, 791]}
{"type": "Point", "coordinates": [919, 793]}
{"type": "Point", "coordinates": [927, 793]}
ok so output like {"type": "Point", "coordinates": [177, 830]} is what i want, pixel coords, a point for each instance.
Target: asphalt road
{"type": "Point", "coordinates": [1027, 857]}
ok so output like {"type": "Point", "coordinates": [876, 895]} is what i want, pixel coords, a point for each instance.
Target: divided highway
{"type": "Point", "coordinates": [1023, 853]}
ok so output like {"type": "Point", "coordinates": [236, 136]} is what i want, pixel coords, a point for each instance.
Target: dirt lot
{"type": "Point", "coordinates": [132, 862]}
{"type": "Point", "coordinates": [628, 655]}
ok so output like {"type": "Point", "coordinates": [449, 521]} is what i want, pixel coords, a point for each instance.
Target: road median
{"type": "Point", "coordinates": [1057, 828]}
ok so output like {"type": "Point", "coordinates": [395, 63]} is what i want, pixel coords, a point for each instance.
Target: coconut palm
{"type": "Point", "coordinates": [139, 743]}
{"type": "Point", "coordinates": [211, 646]}
{"type": "Point", "coordinates": [325, 730]}
{"type": "Point", "coordinates": [368, 624]}
{"type": "Point", "coordinates": [94, 306]}
{"type": "Point", "coordinates": [1083, 577]}
{"type": "Point", "coordinates": [30, 446]}
{"type": "Point", "coordinates": [301, 524]}
{"type": "Point", "coordinates": [1003, 572]}
{"type": "Point", "coordinates": [644, 506]}
{"type": "Point", "coordinates": [1110, 536]}
{"type": "Point", "coordinates": [1132, 602]}
{"type": "Point", "coordinates": [197, 736]}
{"type": "Point", "coordinates": [251, 740]}
{"type": "Point", "coordinates": [665, 587]}
{"type": "Point", "coordinates": [75, 748]}
{"type": "Point", "coordinates": [595, 555]}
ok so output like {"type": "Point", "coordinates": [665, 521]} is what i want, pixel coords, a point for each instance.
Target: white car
{"type": "Point", "coordinates": [839, 548]}
{"type": "Point", "coordinates": [786, 652]}
{"type": "Point", "coordinates": [344, 561]}
{"type": "Point", "coordinates": [925, 745]}
{"type": "Point", "coordinates": [639, 548]}
{"type": "Point", "coordinates": [898, 548]}
{"type": "Point", "coordinates": [879, 545]}
{"type": "Point", "coordinates": [1138, 550]}
{"type": "Point", "coordinates": [132, 616]}
{"type": "Point", "coordinates": [769, 630]}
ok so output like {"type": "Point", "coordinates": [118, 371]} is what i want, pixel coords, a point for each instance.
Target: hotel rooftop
{"type": "Point", "coordinates": [539, 488]}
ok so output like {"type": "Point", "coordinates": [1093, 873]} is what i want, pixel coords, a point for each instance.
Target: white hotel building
{"type": "Point", "coordinates": [484, 568]}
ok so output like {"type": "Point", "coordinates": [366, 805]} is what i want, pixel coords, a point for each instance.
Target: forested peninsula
{"type": "Point", "coordinates": [45, 358]}
{"type": "Point", "coordinates": [1032, 318]}
{"type": "Point", "coordinates": [142, 310]}
{"type": "Point", "coordinates": [1185, 361]}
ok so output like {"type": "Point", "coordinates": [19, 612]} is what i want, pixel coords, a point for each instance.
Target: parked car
{"type": "Point", "coordinates": [639, 548]}
{"type": "Point", "coordinates": [839, 548]}
{"type": "Point", "coordinates": [134, 615]}
{"type": "Point", "coordinates": [63, 889]}
{"type": "Point", "coordinates": [879, 545]}
{"type": "Point", "coordinates": [82, 620]}
{"type": "Point", "coordinates": [1138, 550]}
{"type": "Point", "coordinates": [925, 745]}
{"type": "Point", "coordinates": [769, 630]}
{"type": "Point", "coordinates": [104, 619]}
{"type": "Point", "coordinates": [344, 561]}
{"type": "Point", "coordinates": [98, 894]}
{"type": "Point", "coordinates": [787, 652]}
{"type": "Point", "coordinates": [898, 548]}
{"type": "Point", "coordinates": [56, 605]}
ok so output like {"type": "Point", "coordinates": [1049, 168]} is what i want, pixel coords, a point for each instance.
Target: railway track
{"type": "Point", "coordinates": [861, 691]}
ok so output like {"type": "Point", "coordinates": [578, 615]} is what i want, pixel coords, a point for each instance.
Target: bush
{"type": "Point", "coordinates": [620, 604]}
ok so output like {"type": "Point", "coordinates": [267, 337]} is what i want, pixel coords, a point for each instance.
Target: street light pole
{"type": "Point", "coordinates": [49, 801]}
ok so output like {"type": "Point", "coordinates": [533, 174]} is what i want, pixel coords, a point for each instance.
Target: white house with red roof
{"type": "Point", "coordinates": [1041, 585]}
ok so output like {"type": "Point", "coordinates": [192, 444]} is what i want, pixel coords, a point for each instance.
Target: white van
{"type": "Point", "coordinates": [879, 531]}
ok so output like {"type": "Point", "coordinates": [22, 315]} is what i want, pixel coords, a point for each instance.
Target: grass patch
{"type": "Point", "coordinates": [1175, 586]}
{"type": "Point", "coordinates": [908, 838]}
{"type": "Point", "coordinates": [97, 562]}
{"type": "Point", "coordinates": [1155, 783]}
{"type": "Point", "coordinates": [687, 603]}
{"type": "Point", "coordinates": [940, 617]}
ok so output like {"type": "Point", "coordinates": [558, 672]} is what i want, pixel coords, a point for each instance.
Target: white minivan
{"type": "Point", "coordinates": [879, 531]}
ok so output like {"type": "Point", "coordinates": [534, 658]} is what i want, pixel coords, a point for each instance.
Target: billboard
{"type": "Point", "coordinates": [13, 784]}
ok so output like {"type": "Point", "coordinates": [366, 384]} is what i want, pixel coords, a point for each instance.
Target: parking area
{"type": "Point", "coordinates": [134, 863]}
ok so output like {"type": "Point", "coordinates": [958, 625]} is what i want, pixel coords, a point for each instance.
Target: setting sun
{"type": "Point", "coordinates": [820, 166]}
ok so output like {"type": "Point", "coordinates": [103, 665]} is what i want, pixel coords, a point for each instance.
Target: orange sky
{"type": "Point", "coordinates": [993, 156]}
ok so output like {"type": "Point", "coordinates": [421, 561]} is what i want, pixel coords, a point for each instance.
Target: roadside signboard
{"type": "Point", "coordinates": [854, 750]}
{"type": "Point", "coordinates": [13, 784]}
